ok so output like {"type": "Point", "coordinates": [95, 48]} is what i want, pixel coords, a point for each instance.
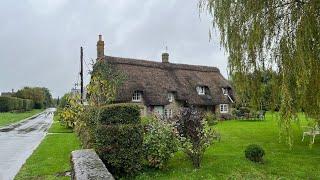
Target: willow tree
{"type": "Point", "coordinates": [282, 35]}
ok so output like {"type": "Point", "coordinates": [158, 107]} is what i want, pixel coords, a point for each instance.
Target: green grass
{"type": "Point", "coordinates": [225, 159]}
{"type": "Point", "coordinates": [52, 157]}
{"type": "Point", "coordinates": [12, 117]}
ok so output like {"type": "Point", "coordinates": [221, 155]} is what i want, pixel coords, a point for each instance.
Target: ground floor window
{"type": "Point", "coordinates": [158, 110]}
{"type": "Point", "coordinates": [168, 113]}
{"type": "Point", "coordinates": [224, 108]}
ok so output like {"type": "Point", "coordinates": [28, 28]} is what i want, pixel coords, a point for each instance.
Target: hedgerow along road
{"type": "Point", "coordinates": [18, 141]}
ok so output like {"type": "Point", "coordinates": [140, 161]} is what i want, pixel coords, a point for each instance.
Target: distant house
{"type": "Point", "coordinates": [76, 91]}
{"type": "Point", "coordinates": [7, 94]}
{"type": "Point", "coordinates": [164, 87]}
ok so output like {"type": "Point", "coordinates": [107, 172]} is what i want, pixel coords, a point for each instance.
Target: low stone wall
{"type": "Point", "coordinates": [86, 165]}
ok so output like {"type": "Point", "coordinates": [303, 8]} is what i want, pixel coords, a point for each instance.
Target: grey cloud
{"type": "Point", "coordinates": [40, 39]}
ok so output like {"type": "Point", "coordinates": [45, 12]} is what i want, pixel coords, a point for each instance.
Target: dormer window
{"type": "Point", "coordinates": [225, 91]}
{"type": "Point", "coordinates": [201, 90]}
{"type": "Point", "coordinates": [137, 96]}
{"type": "Point", "coordinates": [170, 97]}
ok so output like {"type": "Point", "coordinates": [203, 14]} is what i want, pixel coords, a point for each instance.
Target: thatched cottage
{"type": "Point", "coordinates": [164, 87]}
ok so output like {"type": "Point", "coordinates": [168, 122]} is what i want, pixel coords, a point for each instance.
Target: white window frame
{"type": "Point", "coordinates": [170, 97]}
{"type": "Point", "coordinates": [136, 96]}
{"type": "Point", "coordinates": [168, 113]}
{"type": "Point", "coordinates": [201, 90]}
{"type": "Point", "coordinates": [224, 108]}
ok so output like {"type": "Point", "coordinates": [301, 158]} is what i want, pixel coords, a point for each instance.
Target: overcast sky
{"type": "Point", "coordinates": [40, 39]}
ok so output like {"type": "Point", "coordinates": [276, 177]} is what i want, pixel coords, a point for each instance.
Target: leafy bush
{"type": "Point", "coordinates": [211, 118]}
{"type": "Point", "coordinates": [241, 112]}
{"type": "Point", "coordinates": [85, 126]}
{"type": "Point", "coordinates": [15, 104]}
{"type": "Point", "coordinates": [159, 143]}
{"type": "Point", "coordinates": [195, 135]}
{"type": "Point", "coordinates": [225, 117]}
{"type": "Point", "coordinates": [118, 141]}
{"type": "Point", "coordinates": [247, 114]}
{"type": "Point", "coordinates": [72, 112]}
{"type": "Point", "coordinates": [63, 102]}
{"type": "Point", "coordinates": [254, 153]}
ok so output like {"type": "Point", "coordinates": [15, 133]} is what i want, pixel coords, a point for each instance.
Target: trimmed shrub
{"type": "Point", "coordinates": [254, 153]}
{"type": "Point", "coordinates": [85, 126]}
{"type": "Point", "coordinates": [27, 104]}
{"type": "Point", "coordinates": [15, 104]}
{"type": "Point", "coordinates": [119, 138]}
{"type": "Point", "coordinates": [5, 104]}
{"type": "Point", "coordinates": [159, 143]}
{"type": "Point", "coordinates": [120, 114]}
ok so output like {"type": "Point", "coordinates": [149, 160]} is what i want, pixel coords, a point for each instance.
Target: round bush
{"type": "Point", "coordinates": [254, 153]}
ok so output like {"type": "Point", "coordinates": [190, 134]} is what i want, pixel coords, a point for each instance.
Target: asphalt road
{"type": "Point", "coordinates": [19, 141]}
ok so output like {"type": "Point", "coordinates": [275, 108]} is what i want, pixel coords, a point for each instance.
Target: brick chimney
{"type": "Point", "coordinates": [100, 48]}
{"type": "Point", "coordinates": [165, 57]}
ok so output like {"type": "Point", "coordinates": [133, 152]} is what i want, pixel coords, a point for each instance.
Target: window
{"type": "Point", "coordinates": [225, 91]}
{"type": "Point", "coordinates": [158, 110]}
{"type": "Point", "coordinates": [170, 97]}
{"type": "Point", "coordinates": [224, 108]}
{"type": "Point", "coordinates": [201, 90]}
{"type": "Point", "coordinates": [168, 113]}
{"type": "Point", "coordinates": [137, 97]}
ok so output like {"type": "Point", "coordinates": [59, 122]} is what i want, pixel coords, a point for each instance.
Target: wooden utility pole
{"type": "Point", "coordinates": [81, 73]}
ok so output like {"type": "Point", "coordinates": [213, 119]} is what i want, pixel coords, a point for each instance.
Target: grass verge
{"type": "Point", "coordinates": [225, 159]}
{"type": "Point", "coordinates": [13, 117]}
{"type": "Point", "coordinates": [51, 160]}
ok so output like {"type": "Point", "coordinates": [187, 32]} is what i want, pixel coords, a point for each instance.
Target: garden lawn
{"type": "Point", "coordinates": [52, 158]}
{"type": "Point", "coordinates": [13, 117]}
{"type": "Point", "coordinates": [225, 159]}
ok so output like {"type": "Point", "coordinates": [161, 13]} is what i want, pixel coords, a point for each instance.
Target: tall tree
{"type": "Point", "coordinates": [272, 34]}
{"type": "Point", "coordinates": [41, 97]}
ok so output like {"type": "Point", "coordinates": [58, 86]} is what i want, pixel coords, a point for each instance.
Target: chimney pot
{"type": "Point", "coordinates": [165, 57]}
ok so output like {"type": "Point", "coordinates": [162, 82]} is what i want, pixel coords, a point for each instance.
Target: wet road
{"type": "Point", "coordinates": [18, 142]}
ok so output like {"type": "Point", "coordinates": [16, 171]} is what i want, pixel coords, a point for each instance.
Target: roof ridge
{"type": "Point", "coordinates": [156, 64]}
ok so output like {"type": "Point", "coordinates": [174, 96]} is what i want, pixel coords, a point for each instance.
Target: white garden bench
{"type": "Point", "coordinates": [312, 131]}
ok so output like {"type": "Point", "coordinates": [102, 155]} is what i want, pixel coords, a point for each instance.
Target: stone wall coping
{"type": "Point", "coordinates": [86, 165]}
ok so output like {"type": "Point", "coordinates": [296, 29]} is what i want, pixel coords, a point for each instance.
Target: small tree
{"type": "Point", "coordinates": [104, 83]}
{"type": "Point", "coordinates": [71, 113]}
{"type": "Point", "coordinates": [195, 134]}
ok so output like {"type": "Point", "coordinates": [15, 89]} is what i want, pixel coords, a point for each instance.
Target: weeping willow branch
{"type": "Point", "coordinates": [272, 35]}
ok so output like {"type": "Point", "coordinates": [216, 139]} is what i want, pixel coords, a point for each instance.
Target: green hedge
{"type": "Point", "coordinates": [15, 104]}
{"type": "Point", "coordinates": [120, 114]}
{"type": "Point", "coordinates": [119, 138]}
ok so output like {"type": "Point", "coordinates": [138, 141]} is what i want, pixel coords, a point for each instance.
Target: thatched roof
{"type": "Point", "coordinates": [157, 79]}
